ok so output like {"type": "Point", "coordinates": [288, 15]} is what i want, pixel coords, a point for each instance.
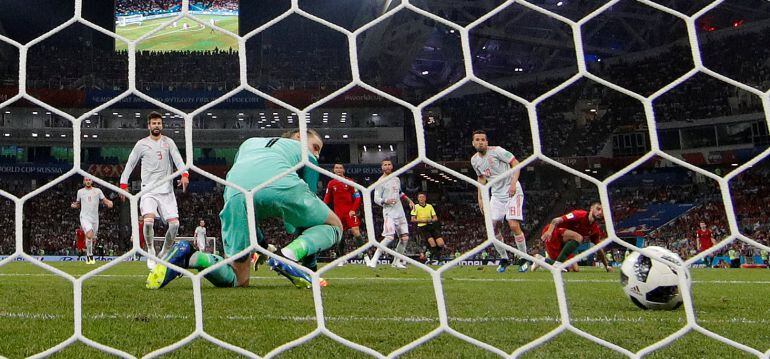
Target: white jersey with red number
{"type": "Point", "coordinates": [156, 157]}
{"type": "Point", "coordinates": [496, 162]}
{"type": "Point", "coordinates": [89, 203]}
{"type": "Point", "coordinates": [390, 190]}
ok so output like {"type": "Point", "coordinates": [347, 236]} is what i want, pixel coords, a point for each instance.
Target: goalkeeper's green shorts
{"type": "Point", "coordinates": [294, 203]}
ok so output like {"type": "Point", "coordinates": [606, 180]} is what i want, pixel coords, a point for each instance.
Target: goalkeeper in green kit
{"type": "Point", "coordinates": [291, 197]}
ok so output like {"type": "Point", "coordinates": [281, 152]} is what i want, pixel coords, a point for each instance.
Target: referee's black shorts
{"type": "Point", "coordinates": [430, 230]}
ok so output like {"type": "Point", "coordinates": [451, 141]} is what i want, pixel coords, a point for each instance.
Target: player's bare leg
{"type": "Point", "coordinates": [148, 229]}
{"type": "Point", "coordinates": [521, 242]}
{"type": "Point", "coordinates": [501, 252]}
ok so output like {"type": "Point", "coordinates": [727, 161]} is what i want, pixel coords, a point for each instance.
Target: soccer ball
{"type": "Point", "coordinates": [649, 283]}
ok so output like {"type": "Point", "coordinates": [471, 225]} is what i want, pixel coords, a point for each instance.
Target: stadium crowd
{"type": "Point", "coordinates": [203, 70]}
{"type": "Point", "coordinates": [739, 57]}
{"type": "Point", "coordinates": [752, 205]}
{"type": "Point", "coordinates": [504, 119]}
{"type": "Point", "coordinates": [678, 234]}
{"type": "Point", "coordinates": [7, 226]}
{"type": "Point", "coordinates": [217, 5]}
{"type": "Point", "coordinates": [579, 120]}
{"type": "Point", "coordinates": [145, 7]}
{"type": "Point", "coordinates": [210, 70]}
{"type": "Point", "coordinates": [704, 97]}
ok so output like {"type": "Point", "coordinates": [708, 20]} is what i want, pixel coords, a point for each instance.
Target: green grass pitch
{"type": "Point", "coordinates": [383, 309]}
{"type": "Point", "coordinates": [196, 37]}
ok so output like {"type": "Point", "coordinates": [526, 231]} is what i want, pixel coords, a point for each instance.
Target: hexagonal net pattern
{"type": "Point", "coordinates": [417, 110]}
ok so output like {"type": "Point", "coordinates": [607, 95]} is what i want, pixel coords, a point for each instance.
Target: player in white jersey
{"type": "Point", "coordinates": [88, 199]}
{"type": "Point", "coordinates": [156, 153]}
{"type": "Point", "coordinates": [389, 196]}
{"type": "Point", "coordinates": [507, 199]}
{"type": "Point", "coordinates": [200, 236]}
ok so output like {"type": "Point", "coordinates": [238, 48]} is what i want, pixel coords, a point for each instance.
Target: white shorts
{"type": "Point", "coordinates": [201, 242]}
{"type": "Point", "coordinates": [89, 225]}
{"type": "Point", "coordinates": [393, 226]}
{"type": "Point", "coordinates": [162, 205]}
{"type": "Point", "coordinates": [511, 209]}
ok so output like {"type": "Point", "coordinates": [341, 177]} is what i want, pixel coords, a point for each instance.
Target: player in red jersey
{"type": "Point", "coordinates": [345, 200]}
{"type": "Point", "coordinates": [564, 234]}
{"type": "Point", "coordinates": [705, 241]}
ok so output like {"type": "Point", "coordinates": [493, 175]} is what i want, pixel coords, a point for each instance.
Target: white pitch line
{"type": "Point", "coordinates": [408, 319]}
{"type": "Point", "coordinates": [388, 279]}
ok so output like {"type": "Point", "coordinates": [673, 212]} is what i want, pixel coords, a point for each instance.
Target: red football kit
{"type": "Point", "coordinates": [343, 198]}
{"type": "Point", "coordinates": [704, 239]}
{"type": "Point", "coordinates": [576, 221]}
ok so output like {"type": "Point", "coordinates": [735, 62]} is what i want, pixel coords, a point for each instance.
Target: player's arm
{"type": "Point", "coordinates": [356, 201]}
{"type": "Point", "coordinates": [378, 199]}
{"type": "Point", "coordinates": [603, 256]}
{"type": "Point", "coordinates": [133, 159]}
{"type": "Point", "coordinates": [179, 163]}
{"type": "Point", "coordinates": [406, 198]}
{"type": "Point", "coordinates": [328, 194]}
{"type": "Point", "coordinates": [76, 203]}
{"type": "Point", "coordinates": [483, 180]}
{"type": "Point", "coordinates": [433, 216]}
{"type": "Point", "coordinates": [551, 226]}
{"type": "Point", "coordinates": [509, 158]}
{"type": "Point", "coordinates": [105, 200]}
{"type": "Point", "coordinates": [515, 177]}
{"type": "Point", "coordinates": [597, 235]}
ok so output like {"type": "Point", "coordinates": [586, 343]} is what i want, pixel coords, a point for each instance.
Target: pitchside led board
{"type": "Point", "coordinates": [134, 18]}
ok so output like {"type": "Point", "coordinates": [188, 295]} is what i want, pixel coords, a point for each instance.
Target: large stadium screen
{"type": "Point", "coordinates": [135, 18]}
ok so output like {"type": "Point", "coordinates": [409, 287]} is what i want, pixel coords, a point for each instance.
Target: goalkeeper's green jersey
{"type": "Point", "coordinates": [260, 159]}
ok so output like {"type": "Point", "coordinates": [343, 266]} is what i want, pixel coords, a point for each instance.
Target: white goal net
{"type": "Point", "coordinates": [564, 324]}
